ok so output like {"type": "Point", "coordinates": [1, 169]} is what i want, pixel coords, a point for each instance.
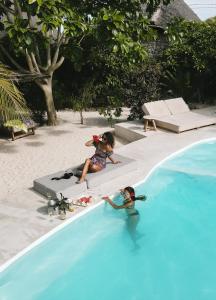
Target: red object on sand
{"type": "Point", "coordinates": [85, 199]}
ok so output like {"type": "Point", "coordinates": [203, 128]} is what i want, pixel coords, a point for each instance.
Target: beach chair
{"type": "Point", "coordinates": [175, 115]}
{"type": "Point", "coordinates": [20, 128]}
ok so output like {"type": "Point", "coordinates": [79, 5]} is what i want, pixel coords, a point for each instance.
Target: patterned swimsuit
{"type": "Point", "coordinates": [99, 158]}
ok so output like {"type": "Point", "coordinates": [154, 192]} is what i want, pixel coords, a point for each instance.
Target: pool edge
{"type": "Point", "coordinates": [5, 265]}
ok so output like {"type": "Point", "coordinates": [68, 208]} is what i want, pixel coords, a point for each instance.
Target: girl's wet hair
{"type": "Point", "coordinates": [110, 138]}
{"type": "Point", "coordinates": [131, 191]}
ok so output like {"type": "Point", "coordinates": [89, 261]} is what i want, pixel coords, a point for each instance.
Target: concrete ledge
{"type": "Point", "coordinates": [130, 131]}
{"type": "Point", "coordinates": [67, 187]}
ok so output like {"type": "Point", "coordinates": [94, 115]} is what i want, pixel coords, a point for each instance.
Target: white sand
{"type": "Point", "coordinates": [23, 211]}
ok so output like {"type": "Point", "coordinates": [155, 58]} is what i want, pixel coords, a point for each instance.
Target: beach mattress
{"type": "Point", "coordinates": [68, 187]}
{"type": "Point", "coordinates": [111, 171]}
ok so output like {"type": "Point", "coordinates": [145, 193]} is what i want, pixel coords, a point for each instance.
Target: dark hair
{"type": "Point", "coordinates": [131, 191]}
{"type": "Point", "coordinates": [110, 138]}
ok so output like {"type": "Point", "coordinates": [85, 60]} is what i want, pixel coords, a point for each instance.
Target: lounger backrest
{"type": "Point", "coordinates": [156, 108]}
{"type": "Point", "coordinates": [176, 106]}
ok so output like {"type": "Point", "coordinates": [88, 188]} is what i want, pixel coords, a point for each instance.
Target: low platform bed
{"type": "Point", "coordinates": [57, 183]}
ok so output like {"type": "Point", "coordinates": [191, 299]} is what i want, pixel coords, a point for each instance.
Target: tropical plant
{"type": "Point", "coordinates": [84, 100]}
{"type": "Point", "coordinates": [36, 32]}
{"type": "Point", "coordinates": [189, 63]}
{"type": "Point", "coordinates": [12, 103]}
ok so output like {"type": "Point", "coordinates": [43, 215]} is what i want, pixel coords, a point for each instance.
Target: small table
{"type": "Point", "coordinates": [148, 119]}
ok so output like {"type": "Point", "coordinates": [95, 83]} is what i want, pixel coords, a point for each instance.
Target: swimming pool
{"type": "Point", "coordinates": [173, 256]}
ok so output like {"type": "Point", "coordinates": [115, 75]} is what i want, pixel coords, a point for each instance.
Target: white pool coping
{"type": "Point", "coordinates": [172, 155]}
{"type": "Point", "coordinates": [5, 265]}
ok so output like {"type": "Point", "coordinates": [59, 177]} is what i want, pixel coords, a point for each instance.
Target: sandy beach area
{"type": "Point", "coordinates": [23, 212]}
{"type": "Point", "coordinates": [51, 149]}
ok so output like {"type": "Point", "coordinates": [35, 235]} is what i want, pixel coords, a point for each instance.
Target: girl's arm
{"type": "Point", "coordinates": [107, 199]}
{"type": "Point", "coordinates": [95, 140]}
{"type": "Point", "coordinates": [114, 161]}
{"type": "Point", "coordinates": [89, 143]}
{"type": "Point", "coordinates": [110, 153]}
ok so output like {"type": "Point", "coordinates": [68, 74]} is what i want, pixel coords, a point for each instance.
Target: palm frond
{"type": "Point", "coordinates": [12, 102]}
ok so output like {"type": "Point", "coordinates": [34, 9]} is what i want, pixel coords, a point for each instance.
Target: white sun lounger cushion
{"type": "Point", "coordinates": [176, 106]}
{"type": "Point", "coordinates": [156, 108]}
{"type": "Point", "coordinates": [184, 121]}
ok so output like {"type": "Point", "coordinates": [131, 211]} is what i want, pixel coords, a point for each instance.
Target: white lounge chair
{"type": "Point", "coordinates": [175, 115]}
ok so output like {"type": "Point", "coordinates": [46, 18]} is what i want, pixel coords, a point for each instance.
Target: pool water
{"type": "Point", "coordinates": [170, 256]}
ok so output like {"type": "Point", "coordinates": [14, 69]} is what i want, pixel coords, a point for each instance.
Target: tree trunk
{"type": "Point", "coordinates": [81, 117]}
{"type": "Point", "coordinates": [46, 87]}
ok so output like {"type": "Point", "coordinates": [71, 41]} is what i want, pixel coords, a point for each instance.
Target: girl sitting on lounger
{"type": "Point", "coordinates": [104, 149]}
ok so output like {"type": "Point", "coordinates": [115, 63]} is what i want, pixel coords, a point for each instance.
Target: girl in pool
{"type": "Point", "coordinates": [129, 205]}
{"type": "Point", "coordinates": [104, 149]}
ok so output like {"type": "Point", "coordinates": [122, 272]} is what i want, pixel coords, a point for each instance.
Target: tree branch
{"type": "Point", "coordinates": [19, 67]}
{"type": "Point", "coordinates": [30, 19]}
{"type": "Point", "coordinates": [56, 54]}
{"type": "Point", "coordinates": [18, 8]}
{"type": "Point", "coordinates": [34, 62]}
{"type": "Point", "coordinates": [55, 57]}
{"type": "Point", "coordinates": [6, 9]}
{"type": "Point", "coordinates": [29, 62]}
{"type": "Point", "coordinates": [38, 54]}
{"type": "Point", "coordinates": [48, 55]}
{"type": "Point", "coordinates": [59, 63]}
{"type": "Point", "coordinates": [59, 34]}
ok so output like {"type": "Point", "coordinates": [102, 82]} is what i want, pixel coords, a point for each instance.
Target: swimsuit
{"type": "Point", "coordinates": [134, 211]}
{"type": "Point", "coordinates": [99, 158]}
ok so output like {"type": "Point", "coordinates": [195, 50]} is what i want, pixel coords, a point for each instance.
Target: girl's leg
{"type": "Point", "coordinates": [88, 166]}
{"type": "Point", "coordinates": [131, 224]}
{"type": "Point", "coordinates": [95, 168]}
{"type": "Point", "coordinates": [85, 170]}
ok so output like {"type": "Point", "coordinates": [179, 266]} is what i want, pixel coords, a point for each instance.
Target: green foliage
{"type": "Point", "coordinates": [16, 123]}
{"type": "Point", "coordinates": [104, 37]}
{"type": "Point", "coordinates": [44, 19]}
{"type": "Point", "coordinates": [142, 85]}
{"type": "Point", "coordinates": [12, 103]}
{"type": "Point", "coordinates": [84, 100]}
{"type": "Point", "coordinates": [192, 41]}
{"type": "Point", "coordinates": [35, 103]}
{"type": "Point", "coordinates": [189, 62]}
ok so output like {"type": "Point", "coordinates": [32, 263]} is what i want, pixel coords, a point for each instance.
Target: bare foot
{"type": "Point", "coordinates": [80, 181]}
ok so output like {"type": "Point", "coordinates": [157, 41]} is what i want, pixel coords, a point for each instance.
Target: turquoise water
{"type": "Point", "coordinates": [171, 256]}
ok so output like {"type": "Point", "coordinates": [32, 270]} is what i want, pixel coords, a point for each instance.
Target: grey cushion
{"type": "Point", "coordinates": [111, 171]}
{"type": "Point", "coordinates": [67, 187]}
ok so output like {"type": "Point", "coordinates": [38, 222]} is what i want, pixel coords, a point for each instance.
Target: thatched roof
{"type": "Point", "coordinates": [177, 8]}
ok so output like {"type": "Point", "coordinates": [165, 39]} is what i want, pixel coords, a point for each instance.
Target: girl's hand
{"type": "Point", "coordinates": [106, 198]}
{"type": "Point", "coordinates": [96, 138]}
{"type": "Point", "coordinates": [116, 162]}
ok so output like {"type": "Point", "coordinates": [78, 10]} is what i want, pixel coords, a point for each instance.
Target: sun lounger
{"type": "Point", "coordinates": [57, 183]}
{"type": "Point", "coordinates": [175, 115]}
{"type": "Point", "coordinates": [50, 185]}
{"type": "Point", "coordinates": [20, 128]}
